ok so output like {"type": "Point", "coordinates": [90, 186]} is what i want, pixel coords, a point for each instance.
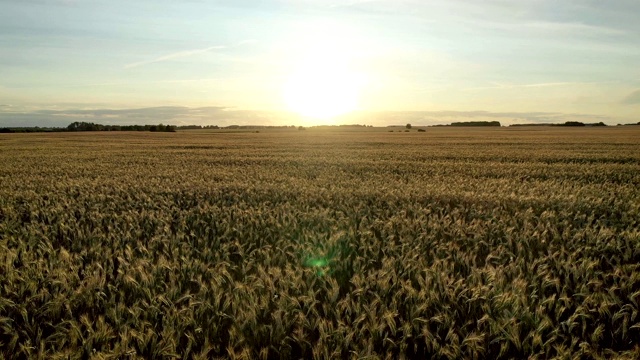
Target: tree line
{"type": "Point", "coordinates": [87, 126]}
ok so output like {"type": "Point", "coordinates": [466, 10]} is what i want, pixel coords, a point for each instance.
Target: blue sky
{"type": "Point", "coordinates": [429, 61]}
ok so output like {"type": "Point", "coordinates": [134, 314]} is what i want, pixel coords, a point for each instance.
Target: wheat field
{"type": "Point", "coordinates": [325, 243]}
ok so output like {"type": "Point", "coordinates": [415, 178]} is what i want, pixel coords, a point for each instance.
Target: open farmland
{"type": "Point", "coordinates": [452, 243]}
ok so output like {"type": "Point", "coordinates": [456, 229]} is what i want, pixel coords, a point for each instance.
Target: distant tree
{"type": "Point", "coordinates": [85, 126]}
{"type": "Point", "coordinates": [573, 123]}
{"type": "Point", "coordinates": [408, 126]}
{"type": "Point", "coordinates": [74, 126]}
{"type": "Point", "coordinates": [476, 123]}
{"type": "Point", "coordinates": [301, 128]}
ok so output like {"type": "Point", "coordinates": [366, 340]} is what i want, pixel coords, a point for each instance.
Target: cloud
{"type": "Point", "coordinates": [175, 55]}
{"type": "Point", "coordinates": [349, 3]}
{"type": "Point", "coordinates": [515, 16]}
{"type": "Point", "coordinates": [120, 83]}
{"type": "Point", "coordinates": [446, 117]}
{"type": "Point", "coordinates": [538, 85]}
{"type": "Point", "coordinates": [187, 53]}
{"type": "Point", "coordinates": [573, 27]}
{"type": "Point", "coordinates": [554, 27]}
{"type": "Point", "coordinates": [511, 86]}
{"type": "Point", "coordinates": [175, 115]}
{"type": "Point", "coordinates": [224, 116]}
{"type": "Point", "coordinates": [632, 99]}
{"type": "Point", "coordinates": [62, 118]}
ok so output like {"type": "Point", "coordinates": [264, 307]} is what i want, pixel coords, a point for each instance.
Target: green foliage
{"type": "Point", "coordinates": [491, 244]}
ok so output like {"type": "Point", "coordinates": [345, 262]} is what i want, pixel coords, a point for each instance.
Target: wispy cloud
{"type": "Point", "coordinates": [119, 83]}
{"type": "Point", "coordinates": [349, 3]}
{"type": "Point", "coordinates": [176, 115]}
{"type": "Point", "coordinates": [536, 85]}
{"type": "Point", "coordinates": [549, 26]}
{"type": "Point", "coordinates": [187, 53]}
{"type": "Point", "coordinates": [224, 116]}
{"type": "Point", "coordinates": [574, 27]}
{"type": "Point", "coordinates": [632, 99]}
{"type": "Point", "coordinates": [176, 55]}
{"type": "Point", "coordinates": [505, 118]}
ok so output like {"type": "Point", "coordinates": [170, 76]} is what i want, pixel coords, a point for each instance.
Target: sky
{"type": "Point", "coordinates": [281, 62]}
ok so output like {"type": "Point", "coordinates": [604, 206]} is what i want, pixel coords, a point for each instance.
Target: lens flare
{"type": "Point", "coordinates": [319, 264]}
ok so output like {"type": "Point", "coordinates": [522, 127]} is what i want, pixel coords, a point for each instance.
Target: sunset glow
{"type": "Point", "coordinates": [322, 88]}
{"type": "Point", "coordinates": [283, 62]}
{"type": "Point", "coordinates": [324, 81]}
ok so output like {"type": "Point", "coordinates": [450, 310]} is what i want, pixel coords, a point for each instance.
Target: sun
{"type": "Point", "coordinates": [322, 91]}
{"type": "Point", "coordinates": [323, 83]}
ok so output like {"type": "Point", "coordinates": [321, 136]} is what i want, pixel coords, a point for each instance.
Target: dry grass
{"type": "Point", "coordinates": [452, 243]}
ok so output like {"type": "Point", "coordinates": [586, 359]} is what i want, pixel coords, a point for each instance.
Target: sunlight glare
{"type": "Point", "coordinates": [323, 83]}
